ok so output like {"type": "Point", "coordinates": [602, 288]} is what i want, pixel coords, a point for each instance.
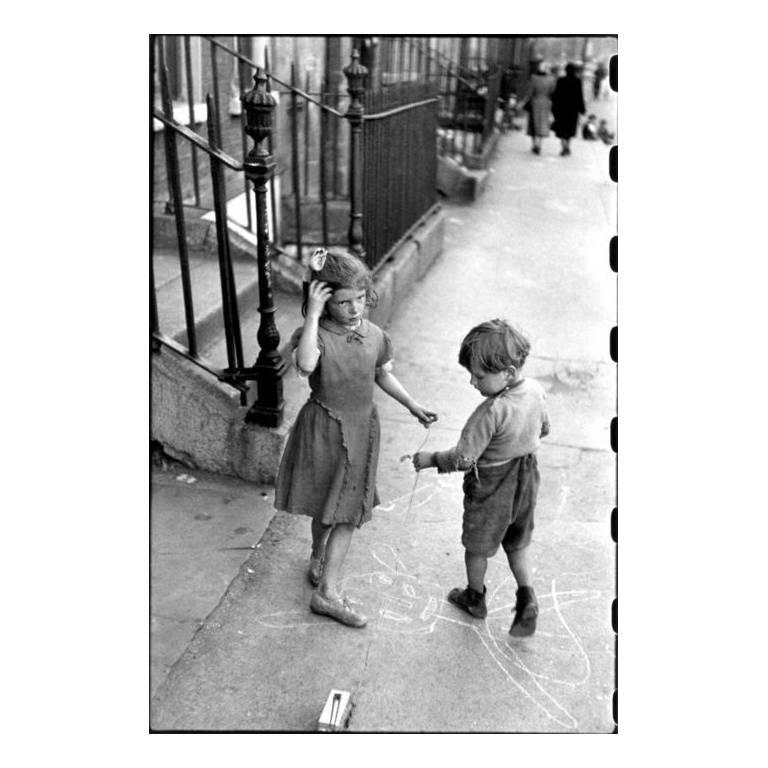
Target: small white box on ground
{"type": "Point", "coordinates": [336, 712]}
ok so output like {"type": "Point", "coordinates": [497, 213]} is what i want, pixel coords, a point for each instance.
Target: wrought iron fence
{"type": "Point", "coordinates": [372, 183]}
{"type": "Point", "coordinates": [256, 170]}
{"type": "Point", "coordinates": [399, 164]}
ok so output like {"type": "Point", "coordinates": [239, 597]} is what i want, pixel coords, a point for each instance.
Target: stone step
{"type": "Point", "coordinates": [287, 318]}
{"type": "Point", "coordinates": [209, 320]}
{"type": "Point", "coordinates": [206, 295]}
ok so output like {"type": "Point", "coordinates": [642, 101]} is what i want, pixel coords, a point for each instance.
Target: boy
{"type": "Point", "coordinates": [589, 129]}
{"type": "Point", "coordinates": [496, 450]}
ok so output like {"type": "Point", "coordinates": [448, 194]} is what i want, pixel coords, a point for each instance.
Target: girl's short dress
{"type": "Point", "coordinates": [328, 468]}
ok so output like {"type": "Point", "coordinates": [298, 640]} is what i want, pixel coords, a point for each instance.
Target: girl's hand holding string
{"type": "Point", "coordinates": [424, 416]}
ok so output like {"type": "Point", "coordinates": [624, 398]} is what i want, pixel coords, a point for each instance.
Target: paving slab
{"type": "Point", "coordinates": [202, 528]}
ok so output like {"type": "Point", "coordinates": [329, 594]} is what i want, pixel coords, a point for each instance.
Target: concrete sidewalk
{"type": "Point", "coordinates": [533, 249]}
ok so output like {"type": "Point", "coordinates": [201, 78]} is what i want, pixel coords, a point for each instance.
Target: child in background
{"type": "Point", "coordinates": [496, 450]}
{"type": "Point", "coordinates": [589, 129]}
{"type": "Point", "coordinates": [328, 468]}
{"type": "Point", "coordinates": [603, 132]}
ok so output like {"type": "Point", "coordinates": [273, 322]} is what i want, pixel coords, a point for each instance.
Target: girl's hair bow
{"type": "Point", "coordinates": [317, 259]}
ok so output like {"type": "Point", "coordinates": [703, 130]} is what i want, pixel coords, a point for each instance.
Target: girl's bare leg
{"type": "Point", "coordinates": [319, 537]}
{"type": "Point", "coordinates": [335, 552]}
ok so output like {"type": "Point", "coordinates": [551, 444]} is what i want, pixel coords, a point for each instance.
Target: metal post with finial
{"type": "Point", "coordinates": [259, 106]}
{"type": "Point", "coordinates": [355, 73]}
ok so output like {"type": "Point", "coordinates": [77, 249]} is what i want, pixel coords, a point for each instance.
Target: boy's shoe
{"type": "Point", "coordinates": [315, 571]}
{"type": "Point", "coordinates": [470, 601]}
{"type": "Point", "coordinates": [338, 609]}
{"type": "Point", "coordinates": [526, 612]}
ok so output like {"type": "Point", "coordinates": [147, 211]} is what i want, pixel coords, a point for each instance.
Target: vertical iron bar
{"type": "Point", "coordinates": [419, 59]}
{"type": "Point", "coordinates": [323, 180]}
{"type": "Point", "coordinates": [244, 142]}
{"type": "Point", "coordinates": [465, 121]}
{"type": "Point", "coordinates": [410, 57]}
{"type": "Point", "coordinates": [306, 136]}
{"type": "Point", "coordinates": [355, 74]}
{"type": "Point", "coordinates": [273, 233]}
{"type": "Point", "coordinates": [228, 294]}
{"type": "Point", "coordinates": [295, 180]}
{"type": "Point", "coordinates": [452, 82]}
{"type": "Point", "coordinates": [374, 214]}
{"type": "Point", "coordinates": [172, 161]}
{"type": "Point", "coordinates": [335, 168]}
{"type": "Point", "coordinates": [269, 367]}
{"type": "Point", "coordinates": [191, 105]}
{"type": "Point", "coordinates": [217, 101]}
{"type": "Point", "coordinates": [154, 323]}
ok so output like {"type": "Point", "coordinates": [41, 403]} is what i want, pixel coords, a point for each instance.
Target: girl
{"type": "Point", "coordinates": [328, 469]}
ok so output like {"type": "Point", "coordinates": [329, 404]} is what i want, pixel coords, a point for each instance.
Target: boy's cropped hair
{"type": "Point", "coordinates": [494, 346]}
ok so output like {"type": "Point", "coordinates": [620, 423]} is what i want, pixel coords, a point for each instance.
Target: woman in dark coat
{"type": "Point", "coordinates": [567, 105]}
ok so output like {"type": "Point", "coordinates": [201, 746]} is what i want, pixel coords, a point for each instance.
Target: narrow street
{"type": "Point", "coordinates": [533, 249]}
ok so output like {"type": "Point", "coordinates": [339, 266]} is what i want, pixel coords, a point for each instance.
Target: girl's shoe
{"type": "Point", "coordinates": [338, 609]}
{"type": "Point", "coordinates": [526, 612]}
{"type": "Point", "coordinates": [315, 571]}
{"type": "Point", "coordinates": [470, 601]}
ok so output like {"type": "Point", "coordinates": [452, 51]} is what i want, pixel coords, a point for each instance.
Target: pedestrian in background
{"type": "Point", "coordinates": [328, 468]}
{"type": "Point", "coordinates": [497, 452]}
{"type": "Point", "coordinates": [601, 72]}
{"type": "Point", "coordinates": [539, 105]}
{"type": "Point", "coordinates": [567, 105]}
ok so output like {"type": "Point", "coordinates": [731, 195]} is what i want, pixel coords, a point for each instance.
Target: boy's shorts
{"type": "Point", "coordinates": [498, 506]}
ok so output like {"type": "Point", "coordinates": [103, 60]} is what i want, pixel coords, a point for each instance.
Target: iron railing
{"type": "Point", "coordinates": [332, 188]}
{"type": "Point", "coordinates": [257, 169]}
{"type": "Point", "coordinates": [468, 95]}
{"type": "Point", "coordinates": [388, 178]}
{"type": "Point", "coordinates": [399, 164]}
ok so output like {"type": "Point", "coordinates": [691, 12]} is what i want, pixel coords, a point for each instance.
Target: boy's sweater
{"type": "Point", "coordinates": [501, 428]}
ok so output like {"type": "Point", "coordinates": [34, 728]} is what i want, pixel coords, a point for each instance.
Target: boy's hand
{"type": "Point", "coordinates": [318, 294]}
{"type": "Point", "coordinates": [424, 416]}
{"type": "Point", "coordinates": [422, 460]}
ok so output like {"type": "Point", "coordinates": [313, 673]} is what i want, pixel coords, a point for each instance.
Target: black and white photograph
{"type": "Point", "coordinates": [354, 389]}
{"type": "Point", "coordinates": [383, 383]}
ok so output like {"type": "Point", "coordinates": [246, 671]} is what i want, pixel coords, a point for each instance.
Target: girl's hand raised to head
{"type": "Point", "coordinates": [319, 293]}
{"type": "Point", "coordinates": [424, 416]}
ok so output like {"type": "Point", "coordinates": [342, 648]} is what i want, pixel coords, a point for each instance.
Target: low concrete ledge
{"type": "Point", "coordinates": [407, 265]}
{"type": "Point", "coordinates": [468, 181]}
{"type": "Point", "coordinates": [458, 183]}
{"type": "Point", "coordinates": [200, 424]}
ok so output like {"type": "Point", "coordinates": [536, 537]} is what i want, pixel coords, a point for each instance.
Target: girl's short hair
{"type": "Point", "coordinates": [494, 346]}
{"type": "Point", "coordinates": [344, 270]}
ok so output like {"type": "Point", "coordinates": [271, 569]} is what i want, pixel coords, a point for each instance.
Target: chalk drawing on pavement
{"type": "Point", "coordinates": [401, 602]}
